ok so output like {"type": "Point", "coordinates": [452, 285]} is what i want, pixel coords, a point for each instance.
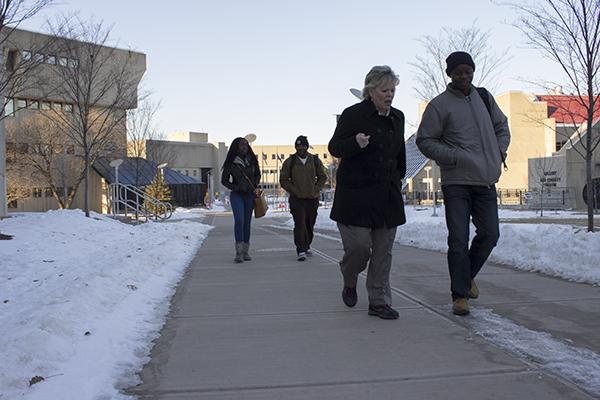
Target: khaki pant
{"type": "Point", "coordinates": [362, 245]}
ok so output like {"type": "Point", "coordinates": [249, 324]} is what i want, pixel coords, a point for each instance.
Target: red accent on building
{"type": "Point", "coordinates": [567, 109]}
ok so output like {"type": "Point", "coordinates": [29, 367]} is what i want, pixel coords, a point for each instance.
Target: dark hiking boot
{"type": "Point", "coordinates": [384, 311]}
{"type": "Point", "coordinates": [349, 296]}
{"type": "Point", "coordinates": [474, 291]}
{"type": "Point", "coordinates": [245, 252]}
{"type": "Point", "coordinates": [460, 306]}
{"type": "Point", "coordinates": [301, 256]}
{"type": "Point", "coordinates": [239, 252]}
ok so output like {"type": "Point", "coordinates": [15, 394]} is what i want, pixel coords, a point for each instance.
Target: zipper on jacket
{"type": "Point", "coordinates": [481, 142]}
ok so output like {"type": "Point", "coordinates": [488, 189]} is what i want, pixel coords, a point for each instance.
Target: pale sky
{"type": "Point", "coordinates": [283, 68]}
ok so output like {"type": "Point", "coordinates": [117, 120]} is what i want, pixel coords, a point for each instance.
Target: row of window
{"type": "Point", "coordinates": [187, 172]}
{"type": "Point", "coordinates": [282, 156]}
{"type": "Point", "coordinates": [13, 105]}
{"type": "Point", "coordinates": [27, 55]}
{"type": "Point", "coordinates": [41, 192]}
{"type": "Point", "coordinates": [12, 149]}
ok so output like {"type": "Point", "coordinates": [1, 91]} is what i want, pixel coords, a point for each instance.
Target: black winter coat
{"type": "Point", "coordinates": [369, 180]}
{"type": "Point", "coordinates": [233, 177]}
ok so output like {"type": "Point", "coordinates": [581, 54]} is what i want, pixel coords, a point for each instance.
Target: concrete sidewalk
{"type": "Point", "coordinates": [275, 328]}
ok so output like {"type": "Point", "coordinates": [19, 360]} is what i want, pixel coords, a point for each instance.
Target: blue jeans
{"type": "Point", "coordinates": [461, 202]}
{"type": "Point", "coordinates": [242, 205]}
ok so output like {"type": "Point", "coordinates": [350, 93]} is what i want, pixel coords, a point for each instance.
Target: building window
{"type": "Point", "coordinates": [26, 55]}
{"type": "Point", "coordinates": [187, 172]}
{"type": "Point", "coordinates": [37, 192]}
{"type": "Point", "coordinates": [38, 57]}
{"type": "Point", "coordinates": [9, 107]}
{"type": "Point", "coordinates": [70, 149]}
{"type": "Point", "coordinates": [282, 156]}
{"type": "Point", "coordinates": [69, 108]}
{"type": "Point", "coordinates": [325, 155]}
{"type": "Point", "coordinates": [45, 105]}
{"type": "Point", "coordinates": [21, 103]}
{"type": "Point", "coordinates": [48, 192]}
{"type": "Point", "coordinates": [73, 63]}
{"type": "Point", "coordinates": [34, 104]}
{"type": "Point", "coordinates": [51, 60]}
{"type": "Point", "coordinates": [273, 156]}
{"type": "Point", "coordinates": [195, 172]}
{"type": "Point", "coordinates": [264, 156]}
{"type": "Point", "coordinates": [11, 59]}
{"type": "Point", "coordinates": [57, 106]}
{"type": "Point", "coordinates": [62, 61]}
{"type": "Point", "coordinates": [13, 204]}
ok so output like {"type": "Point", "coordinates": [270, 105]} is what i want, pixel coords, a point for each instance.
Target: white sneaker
{"type": "Point", "coordinates": [301, 256]}
{"type": "Point", "coordinates": [309, 253]}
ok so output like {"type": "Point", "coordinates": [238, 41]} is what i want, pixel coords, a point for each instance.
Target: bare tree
{"type": "Point", "coordinates": [568, 33]}
{"type": "Point", "coordinates": [48, 157]}
{"type": "Point", "coordinates": [430, 66]}
{"type": "Point", "coordinates": [160, 151]}
{"type": "Point", "coordinates": [12, 70]}
{"type": "Point", "coordinates": [100, 83]}
{"type": "Point", "coordinates": [141, 126]}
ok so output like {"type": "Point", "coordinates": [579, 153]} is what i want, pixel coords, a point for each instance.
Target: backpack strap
{"type": "Point", "coordinates": [485, 96]}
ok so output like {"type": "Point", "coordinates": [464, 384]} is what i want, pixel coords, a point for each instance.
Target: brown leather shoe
{"type": "Point", "coordinates": [474, 291]}
{"type": "Point", "coordinates": [460, 306]}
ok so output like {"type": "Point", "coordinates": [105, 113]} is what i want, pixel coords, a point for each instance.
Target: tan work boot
{"type": "Point", "coordinates": [460, 306]}
{"type": "Point", "coordinates": [474, 291]}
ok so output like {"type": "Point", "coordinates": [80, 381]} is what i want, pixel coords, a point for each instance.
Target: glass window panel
{"type": "Point", "coordinates": [51, 60]}
{"type": "Point", "coordinates": [26, 55]}
{"type": "Point", "coordinates": [62, 61]}
{"type": "Point", "coordinates": [34, 104]}
{"type": "Point", "coordinates": [45, 105]}
{"type": "Point", "coordinates": [38, 57]}
{"type": "Point", "coordinates": [21, 103]}
{"type": "Point", "coordinates": [9, 108]}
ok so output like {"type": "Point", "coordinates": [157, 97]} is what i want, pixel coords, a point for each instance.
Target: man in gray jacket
{"type": "Point", "coordinates": [466, 133]}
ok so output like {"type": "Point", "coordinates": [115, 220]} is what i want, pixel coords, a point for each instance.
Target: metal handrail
{"type": "Point", "coordinates": [117, 195]}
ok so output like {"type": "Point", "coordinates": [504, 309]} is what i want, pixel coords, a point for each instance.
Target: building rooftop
{"type": "Point", "coordinates": [566, 109]}
{"type": "Point", "coordinates": [146, 170]}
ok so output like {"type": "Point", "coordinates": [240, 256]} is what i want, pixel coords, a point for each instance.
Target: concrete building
{"type": "Point", "coordinates": [191, 154]}
{"type": "Point", "coordinates": [31, 101]}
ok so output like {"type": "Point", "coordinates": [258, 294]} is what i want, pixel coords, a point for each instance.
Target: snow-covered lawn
{"type": "Point", "coordinates": [81, 299]}
{"type": "Point", "coordinates": [557, 250]}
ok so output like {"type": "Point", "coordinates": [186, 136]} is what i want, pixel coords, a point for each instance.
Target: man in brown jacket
{"type": "Point", "coordinates": [303, 176]}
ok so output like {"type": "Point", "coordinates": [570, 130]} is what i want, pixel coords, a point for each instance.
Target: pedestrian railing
{"type": "Point", "coordinates": [130, 200]}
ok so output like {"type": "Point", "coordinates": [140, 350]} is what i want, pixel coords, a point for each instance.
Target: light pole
{"type": "Point", "coordinates": [160, 168]}
{"type": "Point", "coordinates": [115, 195]}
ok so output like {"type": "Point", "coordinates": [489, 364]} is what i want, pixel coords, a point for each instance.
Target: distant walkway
{"type": "Point", "coordinates": [275, 328]}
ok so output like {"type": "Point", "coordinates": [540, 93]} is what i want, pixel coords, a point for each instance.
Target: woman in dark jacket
{"type": "Point", "coordinates": [368, 205]}
{"type": "Point", "coordinates": [241, 175]}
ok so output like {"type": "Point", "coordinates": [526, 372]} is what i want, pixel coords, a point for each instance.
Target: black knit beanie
{"type": "Point", "coordinates": [301, 140]}
{"type": "Point", "coordinates": [457, 58]}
